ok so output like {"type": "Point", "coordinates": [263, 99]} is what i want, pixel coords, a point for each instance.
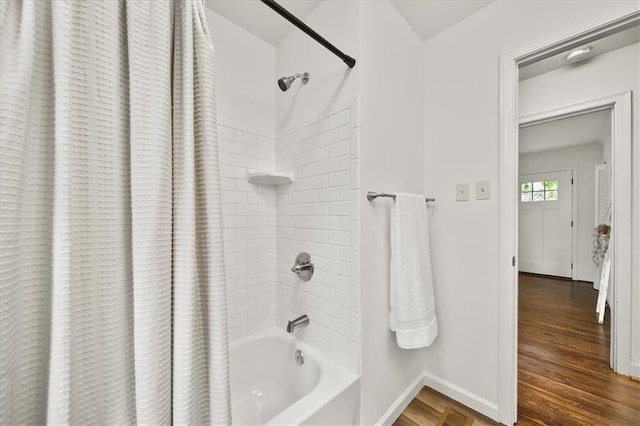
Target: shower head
{"type": "Point", "coordinates": [285, 82]}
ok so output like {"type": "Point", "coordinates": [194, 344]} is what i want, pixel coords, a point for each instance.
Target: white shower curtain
{"type": "Point", "coordinates": [113, 301]}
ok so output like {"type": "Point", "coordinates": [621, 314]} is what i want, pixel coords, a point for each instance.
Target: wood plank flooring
{"type": "Point", "coordinates": [563, 360]}
{"type": "Point", "coordinates": [428, 407]}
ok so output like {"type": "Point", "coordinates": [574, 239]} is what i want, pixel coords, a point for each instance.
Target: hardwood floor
{"type": "Point", "coordinates": [428, 407]}
{"type": "Point", "coordinates": [563, 359]}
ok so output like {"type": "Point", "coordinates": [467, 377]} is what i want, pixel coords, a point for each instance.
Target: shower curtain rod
{"type": "Point", "coordinates": [311, 33]}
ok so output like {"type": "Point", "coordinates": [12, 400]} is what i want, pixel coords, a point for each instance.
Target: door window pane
{"type": "Point", "coordinates": [546, 190]}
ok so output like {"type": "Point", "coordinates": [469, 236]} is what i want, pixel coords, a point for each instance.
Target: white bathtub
{"type": "Point", "coordinates": [268, 386]}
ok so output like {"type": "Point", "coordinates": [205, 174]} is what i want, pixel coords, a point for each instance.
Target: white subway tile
{"type": "Point", "coordinates": [339, 179]}
{"type": "Point", "coordinates": [344, 163]}
{"type": "Point", "coordinates": [344, 132]}
{"type": "Point", "coordinates": [248, 281]}
{"type": "Point", "coordinates": [227, 183]}
{"type": "Point", "coordinates": [226, 133]}
{"type": "Point", "coordinates": [229, 234]}
{"type": "Point", "coordinates": [245, 234]}
{"type": "Point", "coordinates": [318, 127]}
{"type": "Point", "coordinates": [329, 222]}
{"type": "Point", "coordinates": [237, 319]}
{"type": "Point", "coordinates": [340, 208]}
{"type": "Point", "coordinates": [264, 164]}
{"type": "Point", "coordinates": [340, 238]}
{"type": "Point", "coordinates": [246, 162]}
{"type": "Point", "coordinates": [235, 247]}
{"type": "Point", "coordinates": [257, 152]}
{"type": "Point", "coordinates": [257, 313]}
{"type": "Point", "coordinates": [226, 158]}
{"type": "Point", "coordinates": [268, 276]}
{"type": "Point", "coordinates": [340, 118]}
{"type": "Point", "coordinates": [236, 295]}
{"type": "Point", "coordinates": [320, 154]}
{"type": "Point", "coordinates": [228, 209]}
{"type": "Point", "coordinates": [339, 148]}
{"type": "Point", "coordinates": [267, 299]}
{"type": "Point", "coordinates": [234, 197]}
{"type": "Point", "coordinates": [266, 143]}
{"type": "Point", "coordinates": [328, 166]}
{"type": "Point", "coordinates": [256, 221]}
{"type": "Point", "coordinates": [233, 147]}
{"type": "Point", "coordinates": [321, 181]}
{"type": "Point", "coordinates": [234, 221]}
{"type": "Point", "coordinates": [248, 209]}
{"type": "Point", "coordinates": [233, 172]}
{"type": "Point", "coordinates": [267, 232]}
{"type": "Point", "coordinates": [328, 138]}
{"type": "Point", "coordinates": [246, 137]}
{"type": "Point", "coordinates": [270, 226]}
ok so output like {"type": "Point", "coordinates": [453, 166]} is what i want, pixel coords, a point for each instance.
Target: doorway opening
{"type": "Point", "coordinates": [558, 331]}
{"type": "Point", "coordinates": [619, 102]}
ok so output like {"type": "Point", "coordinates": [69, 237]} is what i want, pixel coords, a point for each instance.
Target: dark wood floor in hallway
{"type": "Point", "coordinates": [563, 359]}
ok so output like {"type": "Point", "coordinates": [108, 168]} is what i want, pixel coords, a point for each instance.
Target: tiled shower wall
{"type": "Point", "coordinates": [249, 220]}
{"type": "Point", "coordinates": [318, 213]}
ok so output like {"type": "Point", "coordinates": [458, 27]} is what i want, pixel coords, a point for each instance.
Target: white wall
{"type": "Point", "coordinates": [461, 71]}
{"type": "Point", "coordinates": [331, 80]}
{"type": "Point", "coordinates": [245, 75]}
{"type": "Point", "coordinates": [391, 160]}
{"type": "Point", "coordinates": [610, 73]}
{"type": "Point", "coordinates": [583, 160]}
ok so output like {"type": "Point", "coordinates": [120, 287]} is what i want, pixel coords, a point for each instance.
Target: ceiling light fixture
{"type": "Point", "coordinates": [579, 54]}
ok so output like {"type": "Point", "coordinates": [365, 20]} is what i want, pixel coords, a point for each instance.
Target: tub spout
{"type": "Point", "coordinates": [301, 321]}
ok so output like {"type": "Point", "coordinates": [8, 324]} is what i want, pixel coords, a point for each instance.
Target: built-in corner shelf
{"type": "Point", "coordinates": [268, 178]}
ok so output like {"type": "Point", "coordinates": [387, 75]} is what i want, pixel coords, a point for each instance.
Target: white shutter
{"type": "Point", "coordinates": [602, 194]}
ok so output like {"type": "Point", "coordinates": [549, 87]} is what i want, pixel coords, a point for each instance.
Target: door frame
{"type": "Point", "coordinates": [568, 38]}
{"type": "Point", "coordinates": [574, 209]}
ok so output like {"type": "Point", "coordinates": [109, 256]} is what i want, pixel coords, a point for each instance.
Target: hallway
{"type": "Point", "coordinates": [563, 359]}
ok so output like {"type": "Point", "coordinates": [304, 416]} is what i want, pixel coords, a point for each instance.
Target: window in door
{"type": "Point", "coordinates": [546, 190]}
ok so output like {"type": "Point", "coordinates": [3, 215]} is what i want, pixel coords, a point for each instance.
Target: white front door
{"type": "Point", "coordinates": [546, 223]}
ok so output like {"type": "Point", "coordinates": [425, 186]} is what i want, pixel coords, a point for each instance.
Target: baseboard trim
{"type": "Point", "coordinates": [634, 370]}
{"type": "Point", "coordinates": [586, 278]}
{"type": "Point", "coordinates": [463, 396]}
{"type": "Point", "coordinates": [401, 403]}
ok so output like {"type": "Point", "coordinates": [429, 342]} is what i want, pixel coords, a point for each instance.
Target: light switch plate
{"type": "Point", "coordinates": [483, 190]}
{"type": "Point", "coordinates": [462, 192]}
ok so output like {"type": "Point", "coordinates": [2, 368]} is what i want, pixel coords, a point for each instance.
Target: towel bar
{"type": "Point", "coordinates": [373, 195]}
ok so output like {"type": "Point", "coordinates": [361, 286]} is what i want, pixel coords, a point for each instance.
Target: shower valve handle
{"type": "Point", "coordinates": [304, 266]}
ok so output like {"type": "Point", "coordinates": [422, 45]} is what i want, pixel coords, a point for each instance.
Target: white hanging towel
{"type": "Point", "coordinates": [604, 287]}
{"type": "Point", "coordinates": [412, 314]}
